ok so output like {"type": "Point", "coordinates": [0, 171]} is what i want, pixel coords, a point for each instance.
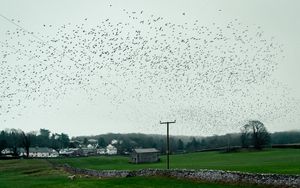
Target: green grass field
{"type": "Point", "coordinates": [281, 161]}
{"type": "Point", "coordinates": [39, 173]}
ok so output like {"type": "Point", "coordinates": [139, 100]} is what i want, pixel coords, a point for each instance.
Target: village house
{"type": "Point", "coordinates": [146, 155]}
{"type": "Point", "coordinates": [101, 151]}
{"type": "Point", "coordinates": [71, 152]}
{"type": "Point", "coordinates": [111, 150]}
{"type": "Point", "coordinates": [6, 151]}
{"type": "Point", "coordinates": [89, 151]}
{"type": "Point", "coordinates": [93, 141]}
{"type": "Point", "coordinates": [39, 152]}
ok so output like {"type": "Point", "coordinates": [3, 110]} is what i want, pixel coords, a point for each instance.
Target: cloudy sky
{"type": "Point", "coordinates": [211, 65]}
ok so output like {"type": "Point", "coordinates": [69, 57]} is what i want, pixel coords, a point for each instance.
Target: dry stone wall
{"type": "Point", "coordinates": [201, 175]}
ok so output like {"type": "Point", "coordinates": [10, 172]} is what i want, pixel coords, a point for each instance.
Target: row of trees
{"type": "Point", "coordinates": [15, 138]}
{"type": "Point", "coordinates": [253, 134]}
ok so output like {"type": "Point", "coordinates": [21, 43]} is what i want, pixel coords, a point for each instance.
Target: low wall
{"type": "Point", "coordinates": [201, 175]}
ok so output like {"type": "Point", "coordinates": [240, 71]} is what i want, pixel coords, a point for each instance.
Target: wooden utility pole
{"type": "Point", "coordinates": [168, 141]}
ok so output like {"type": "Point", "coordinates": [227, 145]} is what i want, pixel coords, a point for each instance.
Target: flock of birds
{"type": "Point", "coordinates": [207, 77]}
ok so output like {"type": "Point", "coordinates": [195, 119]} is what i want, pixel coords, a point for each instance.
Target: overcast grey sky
{"type": "Point", "coordinates": [77, 114]}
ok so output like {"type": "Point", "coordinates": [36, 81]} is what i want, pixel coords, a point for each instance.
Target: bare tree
{"type": "Point", "coordinates": [26, 142]}
{"type": "Point", "coordinates": [255, 133]}
{"type": "Point", "coordinates": [245, 137]}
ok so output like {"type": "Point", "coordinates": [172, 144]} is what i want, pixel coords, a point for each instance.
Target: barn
{"type": "Point", "coordinates": [145, 155]}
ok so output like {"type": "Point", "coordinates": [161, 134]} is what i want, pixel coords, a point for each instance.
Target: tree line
{"type": "Point", "coordinates": [16, 138]}
{"type": "Point", "coordinates": [253, 135]}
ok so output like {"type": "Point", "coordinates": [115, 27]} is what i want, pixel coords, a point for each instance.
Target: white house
{"type": "Point", "coordinates": [90, 146]}
{"type": "Point", "coordinates": [111, 150]}
{"type": "Point", "coordinates": [39, 152]}
{"type": "Point", "coordinates": [71, 152]}
{"type": "Point", "coordinates": [114, 141]}
{"type": "Point", "coordinates": [101, 151]}
{"type": "Point", "coordinates": [6, 151]}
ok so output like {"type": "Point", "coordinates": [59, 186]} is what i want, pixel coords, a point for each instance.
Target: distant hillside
{"type": "Point", "coordinates": [189, 143]}
{"type": "Point", "coordinates": [14, 139]}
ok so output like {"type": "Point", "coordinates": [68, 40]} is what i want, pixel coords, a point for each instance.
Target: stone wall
{"type": "Point", "coordinates": [201, 175]}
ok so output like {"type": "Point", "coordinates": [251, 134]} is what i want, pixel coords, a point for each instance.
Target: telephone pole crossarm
{"type": "Point", "coordinates": [167, 122]}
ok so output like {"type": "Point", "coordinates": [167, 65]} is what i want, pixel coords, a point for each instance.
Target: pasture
{"type": "Point", "coordinates": [39, 173]}
{"type": "Point", "coordinates": [280, 161]}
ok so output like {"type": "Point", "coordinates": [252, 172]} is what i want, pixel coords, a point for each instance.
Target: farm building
{"type": "Point", "coordinates": [146, 155]}
{"type": "Point", "coordinates": [89, 151]}
{"type": "Point", "coordinates": [71, 152]}
{"type": "Point", "coordinates": [101, 151]}
{"type": "Point", "coordinates": [39, 152]}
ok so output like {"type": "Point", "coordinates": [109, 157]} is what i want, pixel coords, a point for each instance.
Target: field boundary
{"type": "Point", "coordinates": [276, 180]}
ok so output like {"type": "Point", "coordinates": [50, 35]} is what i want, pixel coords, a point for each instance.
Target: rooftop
{"type": "Point", "coordinates": [146, 150]}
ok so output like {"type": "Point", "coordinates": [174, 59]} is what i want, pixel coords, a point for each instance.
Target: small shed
{"type": "Point", "coordinates": [145, 155]}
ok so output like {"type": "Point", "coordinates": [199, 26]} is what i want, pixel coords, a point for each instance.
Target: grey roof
{"type": "Point", "coordinates": [146, 150]}
{"type": "Point", "coordinates": [40, 149]}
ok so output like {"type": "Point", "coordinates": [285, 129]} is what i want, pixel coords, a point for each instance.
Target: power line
{"type": "Point", "coordinates": [17, 25]}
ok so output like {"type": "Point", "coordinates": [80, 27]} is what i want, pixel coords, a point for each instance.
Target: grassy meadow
{"type": "Point", "coordinates": [31, 173]}
{"type": "Point", "coordinates": [280, 161]}
{"type": "Point", "coordinates": [34, 173]}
